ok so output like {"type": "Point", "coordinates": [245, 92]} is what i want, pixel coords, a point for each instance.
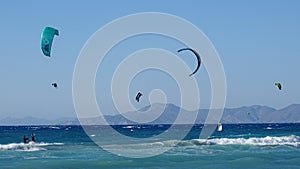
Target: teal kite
{"type": "Point", "coordinates": [47, 39]}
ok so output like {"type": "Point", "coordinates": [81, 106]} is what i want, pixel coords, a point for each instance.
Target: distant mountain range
{"type": "Point", "coordinates": [10, 121]}
{"type": "Point", "coordinates": [245, 114]}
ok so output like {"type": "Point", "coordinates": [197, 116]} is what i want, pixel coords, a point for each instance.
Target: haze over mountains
{"type": "Point", "coordinates": [257, 114]}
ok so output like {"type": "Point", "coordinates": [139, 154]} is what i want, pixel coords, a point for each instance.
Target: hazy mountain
{"type": "Point", "coordinates": [66, 121]}
{"type": "Point", "coordinates": [168, 116]}
{"type": "Point", "coordinates": [289, 114]}
{"type": "Point", "coordinates": [245, 114]}
{"type": "Point", "coordinates": [250, 114]}
{"type": "Point", "coordinates": [24, 121]}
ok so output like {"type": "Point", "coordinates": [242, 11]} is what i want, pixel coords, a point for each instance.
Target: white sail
{"type": "Point", "coordinates": [220, 128]}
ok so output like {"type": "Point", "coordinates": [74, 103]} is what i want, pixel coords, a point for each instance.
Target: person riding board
{"type": "Point", "coordinates": [25, 139]}
{"type": "Point", "coordinates": [33, 137]}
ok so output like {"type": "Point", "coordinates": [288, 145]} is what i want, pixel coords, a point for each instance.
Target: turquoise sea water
{"type": "Point", "coordinates": [237, 146]}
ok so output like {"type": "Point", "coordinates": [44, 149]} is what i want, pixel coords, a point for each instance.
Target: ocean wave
{"type": "Point", "coordinates": [291, 140]}
{"type": "Point", "coordinates": [128, 127]}
{"type": "Point", "coordinates": [31, 146]}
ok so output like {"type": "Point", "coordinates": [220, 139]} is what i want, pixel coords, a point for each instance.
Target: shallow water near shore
{"type": "Point", "coordinates": [246, 145]}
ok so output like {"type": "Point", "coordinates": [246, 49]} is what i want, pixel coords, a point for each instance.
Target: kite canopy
{"type": "Point", "coordinates": [198, 58]}
{"type": "Point", "coordinates": [278, 85]}
{"type": "Point", "coordinates": [54, 85]}
{"type": "Point", "coordinates": [137, 97]}
{"type": "Point", "coordinates": [47, 39]}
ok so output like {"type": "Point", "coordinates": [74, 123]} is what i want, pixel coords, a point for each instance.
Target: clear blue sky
{"type": "Point", "coordinates": [258, 43]}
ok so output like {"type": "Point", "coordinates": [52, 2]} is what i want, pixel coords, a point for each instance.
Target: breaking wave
{"type": "Point", "coordinates": [291, 140]}
{"type": "Point", "coordinates": [31, 146]}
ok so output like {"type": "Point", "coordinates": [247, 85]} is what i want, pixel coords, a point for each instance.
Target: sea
{"type": "Point", "coordinates": [236, 146]}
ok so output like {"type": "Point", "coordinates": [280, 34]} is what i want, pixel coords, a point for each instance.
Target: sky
{"type": "Point", "coordinates": [257, 42]}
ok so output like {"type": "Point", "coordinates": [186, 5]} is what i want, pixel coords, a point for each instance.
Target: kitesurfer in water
{"type": "Point", "coordinates": [33, 137]}
{"type": "Point", "coordinates": [25, 139]}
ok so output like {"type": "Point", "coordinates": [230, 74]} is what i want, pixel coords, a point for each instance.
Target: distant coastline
{"type": "Point", "coordinates": [255, 114]}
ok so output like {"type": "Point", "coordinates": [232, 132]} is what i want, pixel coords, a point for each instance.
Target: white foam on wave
{"type": "Point", "coordinates": [31, 146]}
{"type": "Point", "coordinates": [128, 127]}
{"type": "Point", "coordinates": [291, 140]}
{"type": "Point", "coordinates": [156, 146]}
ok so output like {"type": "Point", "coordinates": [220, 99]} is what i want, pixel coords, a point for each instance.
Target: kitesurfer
{"type": "Point", "coordinates": [33, 137]}
{"type": "Point", "coordinates": [25, 139]}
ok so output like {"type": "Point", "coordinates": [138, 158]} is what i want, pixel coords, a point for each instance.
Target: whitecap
{"type": "Point", "coordinates": [31, 146]}
{"type": "Point", "coordinates": [291, 140]}
{"type": "Point", "coordinates": [127, 127]}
